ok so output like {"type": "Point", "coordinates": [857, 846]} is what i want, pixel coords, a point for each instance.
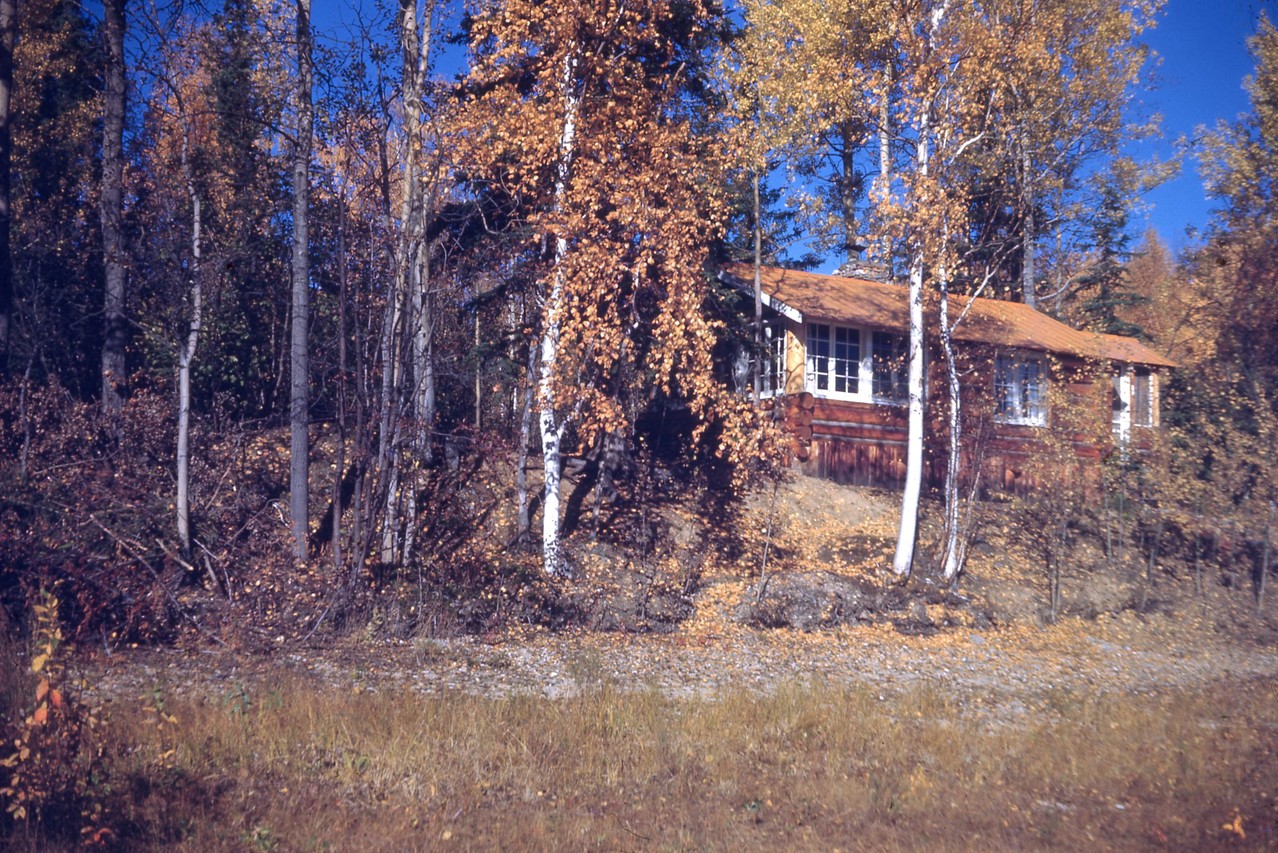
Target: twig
{"type": "Point", "coordinates": [622, 824]}
{"type": "Point", "coordinates": [137, 551]}
{"type": "Point", "coordinates": [767, 544]}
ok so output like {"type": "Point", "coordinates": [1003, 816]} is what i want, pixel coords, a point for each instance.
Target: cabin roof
{"type": "Point", "coordinates": [805, 296]}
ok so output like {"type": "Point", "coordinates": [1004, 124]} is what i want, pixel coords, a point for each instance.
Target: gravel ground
{"type": "Point", "coordinates": [1004, 669]}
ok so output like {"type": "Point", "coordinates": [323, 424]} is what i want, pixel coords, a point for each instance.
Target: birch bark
{"type": "Point", "coordinates": [552, 425]}
{"type": "Point", "coordinates": [186, 353]}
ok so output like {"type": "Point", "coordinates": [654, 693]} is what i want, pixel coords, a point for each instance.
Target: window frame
{"type": "Point", "coordinates": [882, 371]}
{"type": "Point", "coordinates": [1142, 397]}
{"type": "Point", "coordinates": [1014, 383]}
{"type": "Point", "coordinates": [773, 380]}
{"type": "Point", "coordinates": [841, 356]}
{"type": "Point", "coordinates": [1135, 399]}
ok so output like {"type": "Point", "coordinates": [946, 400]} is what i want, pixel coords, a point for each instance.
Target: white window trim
{"type": "Point", "coordinates": [775, 348]}
{"type": "Point", "coordinates": [1126, 419]}
{"type": "Point", "coordinates": [1017, 358]}
{"type": "Point", "coordinates": [1123, 422]}
{"type": "Point", "coordinates": [865, 367]}
{"type": "Point", "coordinates": [1146, 419]}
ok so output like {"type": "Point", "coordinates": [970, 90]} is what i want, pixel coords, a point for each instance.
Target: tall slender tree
{"type": "Point", "coordinates": [299, 346]}
{"type": "Point", "coordinates": [8, 36]}
{"type": "Point", "coordinates": [111, 205]}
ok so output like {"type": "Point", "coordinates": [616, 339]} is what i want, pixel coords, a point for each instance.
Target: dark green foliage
{"type": "Point", "coordinates": [1102, 289]}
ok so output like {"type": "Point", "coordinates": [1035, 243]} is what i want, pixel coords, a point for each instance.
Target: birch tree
{"type": "Point", "coordinates": [1069, 70]}
{"type": "Point", "coordinates": [182, 134]}
{"type": "Point", "coordinates": [575, 109]}
{"type": "Point", "coordinates": [408, 328]}
{"type": "Point", "coordinates": [804, 73]}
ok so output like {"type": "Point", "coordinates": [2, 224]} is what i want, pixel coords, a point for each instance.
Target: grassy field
{"type": "Point", "coordinates": [293, 766]}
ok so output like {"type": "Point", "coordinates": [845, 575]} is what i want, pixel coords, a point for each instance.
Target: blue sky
{"type": "Point", "coordinates": [1203, 49]}
{"type": "Point", "coordinates": [1203, 45]}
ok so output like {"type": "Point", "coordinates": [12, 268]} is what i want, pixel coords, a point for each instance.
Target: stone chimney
{"type": "Point", "coordinates": [858, 267]}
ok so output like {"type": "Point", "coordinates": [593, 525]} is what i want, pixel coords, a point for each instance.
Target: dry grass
{"type": "Point", "coordinates": [299, 767]}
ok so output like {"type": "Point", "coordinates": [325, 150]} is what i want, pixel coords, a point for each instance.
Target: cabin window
{"type": "Point", "coordinates": [772, 380]}
{"type": "Point", "coordinates": [1118, 402]}
{"type": "Point", "coordinates": [834, 359]}
{"type": "Point", "coordinates": [1142, 397]}
{"type": "Point", "coordinates": [1020, 389]}
{"type": "Point", "coordinates": [891, 368]}
{"type": "Point", "coordinates": [849, 363]}
{"type": "Point", "coordinates": [819, 356]}
{"type": "Point", "coordinates": [847, 360]}
{"type": "Point", "coordinates": [1133, 400]}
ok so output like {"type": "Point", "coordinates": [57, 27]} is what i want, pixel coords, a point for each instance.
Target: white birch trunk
{"type": "Point", "coordinates": [759, 358]}
{"type": "Point", "coordinates": [186, 353]}
{"type": "Point", "coordinates": [552, 426]}
{"type": "Point", "coordinates": [110, 208]}
{"type": "Point", "coordinates": [952, 561]}
{"type": "Point", "coordinates": [388, 432]}
{"type": "Point", "coordinates": [415, 46]}
{"type": "Point", "coordinates": [903, 561]}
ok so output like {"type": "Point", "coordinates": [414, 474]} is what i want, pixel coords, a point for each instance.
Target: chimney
{"type": "Point", "coordinates": [858, 267]}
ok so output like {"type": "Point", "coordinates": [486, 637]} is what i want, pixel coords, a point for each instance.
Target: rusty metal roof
{"type": "Point", "coordinates": [839, 299]}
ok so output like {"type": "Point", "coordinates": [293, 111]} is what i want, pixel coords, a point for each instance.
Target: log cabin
{"type": "Point", "coordinates": [834, 369]}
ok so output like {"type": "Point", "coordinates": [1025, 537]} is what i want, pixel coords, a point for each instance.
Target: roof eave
{"type": "Point", "coordinates": [769, 300]}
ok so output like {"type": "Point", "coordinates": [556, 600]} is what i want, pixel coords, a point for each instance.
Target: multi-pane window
{"type": "Point", "coordinates": [847, 360]}
{"type": "Point", "coordinates": [1133, 400]}
{"type": "Point", "coordinates": [772, 380]}
{"type": "Point", "coordinates": [1142, 398]}
{"type": "Point", "coordinates": [891, 368]}
{"type": "Point", "coordinates": [1020, 389]}
{"type": "Point", "coordinates": [819, 356]}
{"type": "Point", "coordinates": [857, 364]}
{"type": "Point", "coordinates": [834, 359]}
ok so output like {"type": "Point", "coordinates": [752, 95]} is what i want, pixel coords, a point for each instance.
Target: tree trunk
{"type": "Point", "coordinates": [1266, 555]}
{"type": "Point", "coordinates": [187, 351]}
{"type": "Point", "coordinates": [952, 561]}
{"type": "Point", "coordinates": [523, 522]}
{"type": "Point", "coordinates": [8, 37]}
{"type": "Point", "coordinates": [903, 561]}
{"type": "Point", "coordinates": [1029, 291]}
{"type": "Point", "coordinates": [885, 129]}
{"type": "Point", "coordinates": [115, 331]}
{"type": "Point", "coordinates": [759, 356]}
{"type": "Point", "coordinates": [299, 385]}
{"type": "Point", "coordinates": [387, 487]}
{"type": "Point", "coordinates": [552, 425]}
{"type": "Point", "coordinates": [414, 257]}
{"type": "Point", "coordinates": [850, 134]}
{"type": "Point", "coordinates": [339, 475]}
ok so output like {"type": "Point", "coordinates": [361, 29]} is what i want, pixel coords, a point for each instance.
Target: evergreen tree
{"type": "Point", "coordinates": [1103, 290]}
